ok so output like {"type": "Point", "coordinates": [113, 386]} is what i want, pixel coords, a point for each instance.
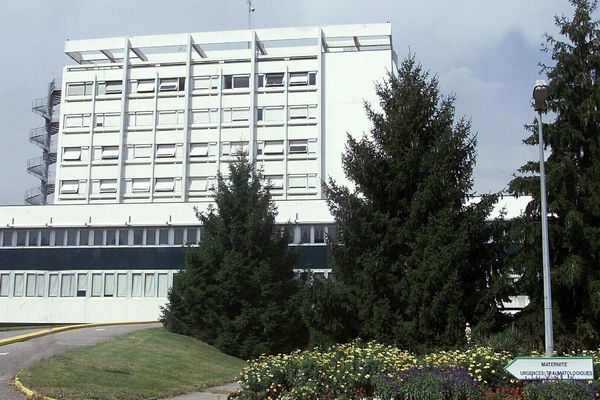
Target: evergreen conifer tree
{"type": "Point", "coordinates": [573, 188]}
{"type": "Point", "coordinates": [237, 289]}
{"type": "Point", "coordinates": [414, 258]}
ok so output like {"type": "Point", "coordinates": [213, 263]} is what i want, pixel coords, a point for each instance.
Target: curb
{"type": "Point", "coordinates": [31, 394]}
{"type": "Point", "coordinates": [44, 332]}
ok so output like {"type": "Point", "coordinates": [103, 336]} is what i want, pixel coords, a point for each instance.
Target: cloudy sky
{"type": "Point", "coordinates": [484, 51]}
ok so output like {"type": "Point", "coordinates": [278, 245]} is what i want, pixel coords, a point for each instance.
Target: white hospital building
{"type": "Point", "coordinates": [133, 137]}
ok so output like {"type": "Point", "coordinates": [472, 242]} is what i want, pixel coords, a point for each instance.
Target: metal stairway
{"type": "Point", "coordinates": [46, 107]}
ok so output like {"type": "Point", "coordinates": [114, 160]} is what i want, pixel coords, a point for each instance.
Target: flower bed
{"type": "Point", "coordinates": [370, 370]}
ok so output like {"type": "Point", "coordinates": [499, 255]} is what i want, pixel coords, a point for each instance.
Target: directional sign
{"type": "Point", "coordinates": [534, 368]}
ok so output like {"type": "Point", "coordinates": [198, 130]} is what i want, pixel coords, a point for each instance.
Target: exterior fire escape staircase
{"type": "Point", "coordinates": [47, 108]}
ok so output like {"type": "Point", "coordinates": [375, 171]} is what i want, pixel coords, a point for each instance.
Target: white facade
{"type": "Point", "coordinates": [154, 118]}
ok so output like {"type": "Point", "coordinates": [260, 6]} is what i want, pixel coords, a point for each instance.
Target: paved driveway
{"type": "Point", "coordinates": [16, 356]}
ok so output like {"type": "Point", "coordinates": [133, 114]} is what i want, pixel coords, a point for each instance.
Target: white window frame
{"type": "Point", "coordinates": [108, 186]}
{"type": "Point", "coordinates": [199, 150]}
{"type": "Point", "coordinates": [69, 187]}
{"type": "Point", "coordinates": [140, 185]}
{"type": "Point", "coordinates": [109, 153]}
{"type": "Point", "coordinates": [71, 154]}
{"type": "Point", "coordinates": [164, 185]}
{"type": "Point", "coordinates": [168, 85]}
{"type": "Point", "coordinates": [145, 86]}
{"type": "Point", "coordinates": [166, 150]}
{"type": "Point", "coordinates": [85, 86]}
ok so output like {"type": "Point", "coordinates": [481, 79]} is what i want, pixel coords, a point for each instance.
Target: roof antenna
{"type": "Point", "coordinates": [250, 11]}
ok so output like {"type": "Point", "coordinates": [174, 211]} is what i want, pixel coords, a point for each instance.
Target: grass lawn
{"type": "Point", "coordinates": [146, 364]}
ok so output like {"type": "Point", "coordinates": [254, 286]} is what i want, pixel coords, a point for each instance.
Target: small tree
{"type": "Point", "coordinates": [414, 257]}
{"type": "Point", "coordinates": [573, 185]}
{"type": "Point", "coordinates": [236, 290]}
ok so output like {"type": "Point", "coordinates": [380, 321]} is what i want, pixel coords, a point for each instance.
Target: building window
{"type": "Point", "coordinates": [4, 285]}
{"type": "Point", "coordinates": [121, 285]}
{"type": "Point", "coordinates": [143, 85]}
{"type": "Point", "coordinates": [59, 237]}
{"type": "Point", "coordinates": [171, 85]}
{"type": "Point", "coordinates": [79, 89]}
{"type": "Point", "coordinates": [271, 80]}
{"type": "Point", "coordinates": [109, 152]}
{"type": "Point", "coordinates": [111, 120]}
{"type": "Point", "coordinates": [110, 87]}
{"type": "Point", "coordinates": [71, 237]}
{"type": "Point", "coordinates": [109, 285]}
{"type": "Point", "coordinates": [201, 184]}
{"type": "Point", "coordinates": [319, 233]}
{"type": "Point", "coordinates": [66, 285]}
{"type": "Point", "coordinates": [21, 237]}
{"type": "Point", "coordinates": [308, 181]}
{"type": "Point", "coordinates": [303, 79]}
{"type": "Point", "coordinates": [204, 117]}
{"type": "Point", "coordinates": [206, 83]}
{"type": "Point", "coordinates": [173, 117]}
{"type": "Point", "coordinates": [162, 285]}
{"type": "Point", "coordinates": [77, 121]}
{"type": "Point", "coordinates": [33, 238]}
{"type": "Point", "coordinates": [81, 285]}
{"type": "Point", "coordinates": [98, 237]}
{"type": "Point", "coordinates": [111, 237]}
{"type": "Point", "coordinates": [304, 234]}
{"type": "Point", "coordinates": [18, 288]}
{"type": "Point", "coordinates": [7, 238]}
{"type": "Point", "coordinates": [303, 112]}
{"type": "Point", "coordinates": [53, 285]}
{"type": "Point", "coordinates": [234, 147]}
{"type": "Point", "coordinates": [236, 81]}
{"type": "Point", "coordinates": [108, 186]}
{"type": "Point", "coordinates": [164, 185]}
{"type": "Point", "coordinates": [163, 236]}
{"type": "Point", "coordinates": [149, 285]}
{"type": "Point", "coordinates": [274, 181]}
{"type": "Point", "coordinates": [269, 148]}
{"type": "Point", "coordinates": [138, 237]}
{"type": "Point", "coordinates": [96, 285]}
{"type": "Point", "coordinates": [136, 285]}
{"type": "Point", "coordinates": [269, 114]}
{"type": "Point", "coordinates": [165, 151]}
{"type": "Point", "coordinates": [236, 114]}
{"type": "Point", "coordinates": [202, 149]}
{"type": "Point", "coordinates": [150, 237]}
{"type": "Point", "coordinates": [69, 187]}
{"type": "Point", "coordinates": [123, 237]}
{"type": "Point", "coordinates": [140, 119]}
{"type": "Point", "coordinates": [140, 185]}
{"type": "Point", "coordinates": [45, 237]}
{"type": "Point", "coordinates": [303, 146]}
{"type": "Point", "coordinates": [140, 151]}
{"type": "Point", "coordinates": [71, 154]}
{"type": "Point", "coordinates": [192, 236]}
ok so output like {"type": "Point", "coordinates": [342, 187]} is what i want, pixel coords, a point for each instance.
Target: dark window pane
{"type": "Point", "coordinates": [319, 234]}
{"type": "Point", "coordinates": [192, 236]}
{"type": "Point", "coordinates": [305, 234]}
{"type": "Point", "coordinates": [59, 237]}
{"type": "Point", "coordinates": [312, 78]}
{"type": "Point", "coordinates": [138, 236]}
{"type": "Point", "coordinates": [151, 237]}
{"type": "Point", "coordinates": [45, 237]}
{"type": "Point", "coordinates": [290, 233]}
{"type": "Point", "coordinates": [163, 236]}
{"type": "Point", "coordinates": [21, 236]}
{"type": "Point", "coordinates": [111, 237]}
{"type": "Point", "coordinates": [7, 239]}
{"type": "Point", "coordinates": [33, 238]}
{"type": "Point", "coordinates": [71, 237]}
{"type": "Point", "coordinates": [228, 82]}
{"type": "Point", "coordinates": [241, 81]}
{"type": "Point", "coordinates": [178, 238]}
{"type": "Point", "coordinates": [98, 237]}
{"type": "Point", "coordinates": [85, 238]}
{"type": "Point", "coordinates": [124, 237]}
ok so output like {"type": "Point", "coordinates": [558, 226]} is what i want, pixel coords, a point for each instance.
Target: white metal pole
{"type": "Point", "coordinates": [549, 337]}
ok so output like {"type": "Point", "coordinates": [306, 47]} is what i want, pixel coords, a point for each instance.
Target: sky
{"type": "Point", "coordinates": [485, 52]}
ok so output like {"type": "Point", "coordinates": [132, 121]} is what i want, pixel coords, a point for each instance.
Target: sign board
{"type": "Point", "coordinates": [534, 368]}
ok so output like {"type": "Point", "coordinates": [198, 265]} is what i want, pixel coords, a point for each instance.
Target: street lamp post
{"type": "Point", "coordinates": [540, 94]}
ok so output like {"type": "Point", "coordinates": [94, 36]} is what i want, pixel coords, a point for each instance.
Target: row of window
{"type": "Point", "coordinates": [199, 83]}
{"type": "Point", "coordinates": [151, 236]}
{"type": "Point", "coordinates": [197, 150]}
{"type": "Point", "coordinates": [112, 121]}
{"type": "Point", "coordinates": [89, 284]}
{"type": "Point", "coordinates": [169, 185]}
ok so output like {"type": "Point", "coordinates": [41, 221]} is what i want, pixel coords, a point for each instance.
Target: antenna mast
{"type": "Point", "coordinates": [250, 11]}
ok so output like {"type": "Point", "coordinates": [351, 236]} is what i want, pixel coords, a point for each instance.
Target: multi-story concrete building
{"type": "Point", "coordinates": [145, 125]}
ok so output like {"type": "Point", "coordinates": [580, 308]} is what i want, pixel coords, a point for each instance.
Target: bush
{"type": "Point", "coordinates": [558, 390]}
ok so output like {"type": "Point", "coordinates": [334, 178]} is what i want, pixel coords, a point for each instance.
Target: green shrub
{"type": "Point", "coordinates": [559, 390]}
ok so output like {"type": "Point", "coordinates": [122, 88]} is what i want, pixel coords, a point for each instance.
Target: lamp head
{"type": "Point", "coordinates": [540, 94]}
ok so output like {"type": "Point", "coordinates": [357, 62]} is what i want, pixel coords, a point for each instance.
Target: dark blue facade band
{"type": "Point", "coordinates": [112, 258]}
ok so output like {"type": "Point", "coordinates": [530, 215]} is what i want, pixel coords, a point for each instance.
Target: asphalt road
{"type": "Point", "coordinates": [16, 356]}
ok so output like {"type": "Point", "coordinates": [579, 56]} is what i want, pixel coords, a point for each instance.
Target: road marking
{"type": "Point", "coordinates": [100, 329]}
{"type": "Point", "coordinates": [4, 354]}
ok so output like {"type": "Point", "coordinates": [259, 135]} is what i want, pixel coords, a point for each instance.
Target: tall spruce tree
{"type": "Point", "coordinates": [414, 258]}
{"type": "Point", "coordinates": [237, 289]}
{"type": "Point", "coordinates": [573, 187]}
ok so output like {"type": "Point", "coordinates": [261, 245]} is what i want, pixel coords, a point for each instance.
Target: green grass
{"type": "Point", "coordinates": [146, 364]}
